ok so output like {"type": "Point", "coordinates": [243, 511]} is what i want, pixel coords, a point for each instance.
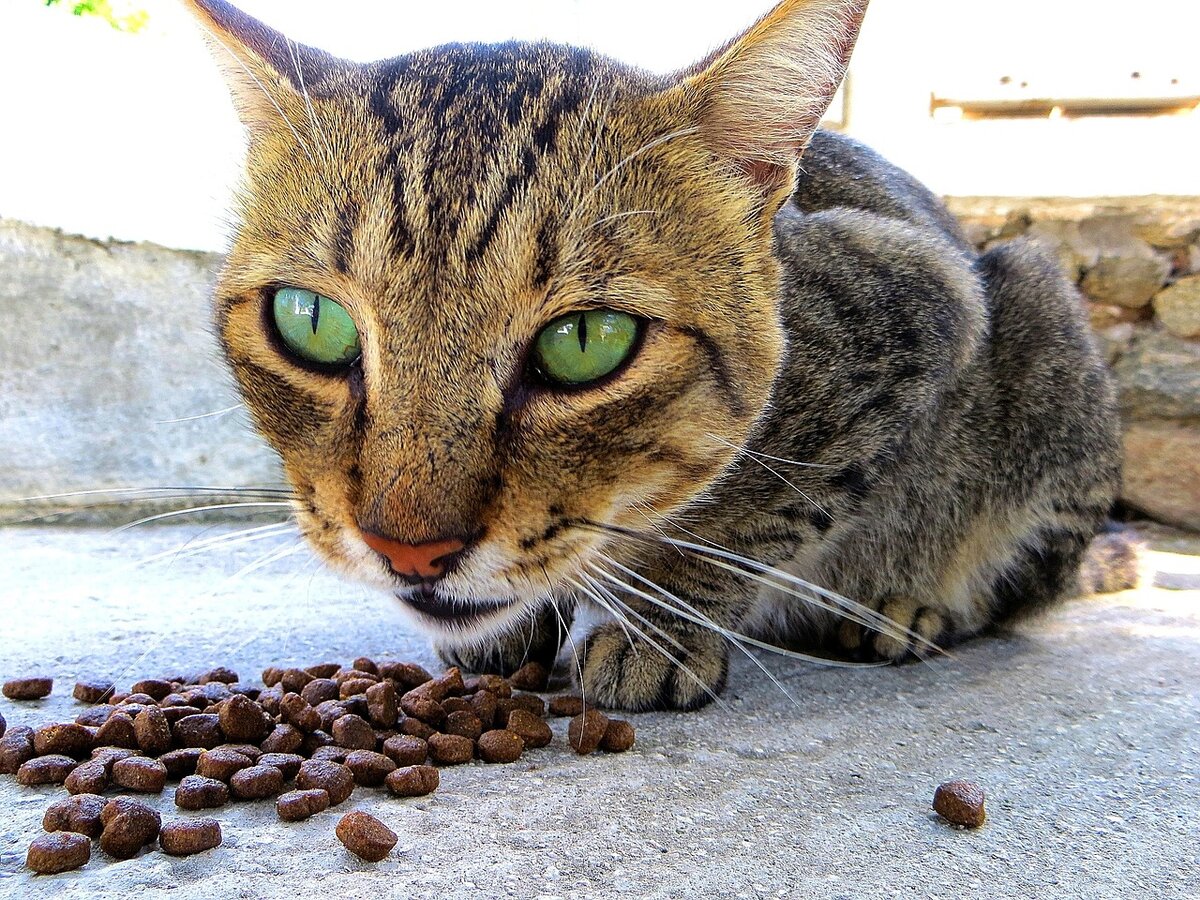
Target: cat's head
{"type": "Point", "coordinates": [488, 300]}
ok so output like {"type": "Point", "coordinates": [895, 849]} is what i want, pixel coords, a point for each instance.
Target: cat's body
{"type": "Point", "coordinates": [826, 381]}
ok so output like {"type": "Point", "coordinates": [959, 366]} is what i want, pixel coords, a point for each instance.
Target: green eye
{"type": "Point", "coordinates": [583, 346]}
{"type": "Point", "coordinates": [316, 328]}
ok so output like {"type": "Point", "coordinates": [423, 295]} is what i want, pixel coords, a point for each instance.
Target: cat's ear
{"type": "Point", "coordinates": [265, 70]}
{"type": "Point", "coordinates": [761, 96]}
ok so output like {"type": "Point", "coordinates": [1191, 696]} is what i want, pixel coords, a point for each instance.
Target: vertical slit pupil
{"type": "Point", "coordinates": [582, 329]}
{"type": "Point", "coordinates": [316, 313]}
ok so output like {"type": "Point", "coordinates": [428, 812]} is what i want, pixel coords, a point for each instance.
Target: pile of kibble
{"type": "Point", "coordinates": [320, 731]}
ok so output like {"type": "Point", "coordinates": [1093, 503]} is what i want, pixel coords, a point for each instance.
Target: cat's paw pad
{"type": "Point", "coordinates": [621, 671]}
{"type": "Point", "coordinates": [912, 631]}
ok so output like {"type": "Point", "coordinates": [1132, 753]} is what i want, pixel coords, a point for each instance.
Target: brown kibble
{"type": "Point", "coordinates": [243, 720]}
{"type": "Point", "coordinates": [319, 690]}
{"type": "Point", "coordinates": [618, 736]}
{"type": "Point", "coordinates": [296, 805]}
{"type": "Point", "coordinates": [269, 700]}
{"type": "Point", "coordinates": [28, 688]}
{"type": "Point", "coordinates": [369, 768]}
{"type": "Point", "coordinates": [16, 748]}
{"type": "Point", "coordinates": [353, 687]}
{"type": "Point", "coordinates": [293, 680]}
{"type": "Point", "coordinates": [117, 731]}
{"type": "Point", "coordinates": [323, 670]}
{"type": "Point", "coordinates": [174, 713]}
{"type": "Point", "coordinates": [417, 728]}
{"type": "Point", "coordinates": [331, 753]}
{"type": "Point", "coordinates": [152, 730]}
{"type": "Point", "coordinates": [66, 738]}
{"type": "Point", "coordinates": [334, 778]}
{"type": "Point", "coordinates": [128, 827]}
{"type": "Point", "coordinates": [354, 733]}
{"type": "Point", "coordinates": [90, 777]}
{"type": "Point", "coordinates": [365, 836]}
{"type": "Point", "coordinates": [271, 676]}
{"type": "Point", "coordinates": [249, 751]}
{"type": "Point", "coordinates": [365, 664]}
{"type": "Point", "coordinates": [200, 730]}
{"type": "Point", "coordinates": [451, 749]}
{"type": "Point", "coordinates": [199, 792]}
{"type": "Point", "coordinates": [330, 711]}
{"type": "Point", "coordinates": [456, 704]}
{"type": "Point", "coordinates": [419, 704]}
{"type": "Point", "coordinates": [531, 702]}
{"type": "Point", "coordinates": [256, 782]}
{"type": "Point", "coordinates": [52, 769]}
{"type": "Point", "coordinates": [532, 729]}
{"type": "Point", "coordinates": [109, 755]}
{"type": "Point", "coordinates": [181, 763]}
{"type": "Point", "coordinates": [189, 836]}
{"type": "Point", "coordinates": [154, 688]}
{"type": "Point", "coordinates": [960, 802]}
{"type": "Point", "coordinates": [139, 773]}
{"type": "Point", "coordinates": [532, 676]}
{"type": "Point", "coordinates": [60, 851]}
{"type": "Point", "coordinates": [500, 746]}
{"type": "Point", "coordinates": [283, 739]}
{"type": "Point", "coordinates": [221, 764]}
{"type": "Point", "coordinates": [382, 704]}
{"type": "Point", "coordinates": [220, 675]}
{"type": "Point", "coordinates": [406, 750]}
{"type": "Point", "coordinates": [450, 684]}
{"type": "Point", "coordinates": [297, 711]}
{"type": "Point", "coordinates": [464, 723]}
{"type": "Point", "coordinates": [494, 685]}
{"type": "Point", "coordinates": [314, 742]}
{"type": "Point", "coordinates": [568, 705]}
{"type": "Point", "coordinates": [413, 781]}
{"type": "Point", "coordinates": [93, 716]}
{"type": "Point", "coordinates": [586, 731]}
{"type": "Point", "coordinates": [483, 704]}
{"type": "Point", "coordinates": [406, 675]}
{"type": "Point", "coordinates": [92, 691]}
{"type": "Point", "coordinates": [287, 763]}
{"type": "Point", "coordinates": [80, 813]}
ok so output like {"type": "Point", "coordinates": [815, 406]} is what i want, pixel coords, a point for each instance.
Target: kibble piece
{"type": "Point", "coordinates": [52, 769]}
{"type": "Point", "coordinates": [500, 746]}
{"type": "Point", "coordinates": [365, 664]}
{"type": "Point", "coordinates": [406, 675]}
{"type": "Point", "coordinates": [323, 670]}
{"type": "Point", "coordinates": [532, 729]}
{"type": "Point", "coordinates": [319, 690]}
{"type": "Point", "coordinates": [533, 676]}
{"type": "Point", "coordinates": [568, 705]}
{"type": "Point", "coordinates": [200, 730]}
{"type": "Point", "coordinates": [181, 763]}
{"type": "Point", "coordinates": [139, 700]}
{"type": "Point", "coordinates": [95, 716]}
{"type": "Point", "coordinates": [128, 827]}
{"type": "Point", "coordinates": [117, 731]}
{"type": "Point", "coordinates": [153, 731]}
{"type": "Point", "coordinates": [406, 749]}
{"type": "Point", "coordinates": [417, 728]}
{"type": "Point", "coordinates": [174, 713]}
{"type": "Point", "coordinates": [221, 764]}
{"type": "Point", "coordinates": [354, 733]}
{"type": "Point", "coordinates": [60, 851]}
{"type": "Point", "coordinates": [287, 763]}
{"type": "Point", "coordinates": [586, 731]}
{"type": "Point", "coordinates": [331, 753]}
{"type": "Point", "coordinates": [413, 781]}
{"type": "Point", "coordinates": [28, 688]}
{"type": "Point", "coordinates": [618, 736]}
{"type": "Point", "coordinates": [90, 777]}
{"type": "Point", "coordinates": [297, 712]}
{"type": "Point", "coordinates": [243, 720]}
{"type": "Point", "coordinates": [65, 738]}
{"type": "Point", "coordinates": [249, 751]}
{"type": "Point", "coordinates": [451, 749]}
{"type": "Point", "coordinates": [155, 688]}
{"type": "Point", "coordinates": [16, 748]}
{"type": "Point", "coordinates": [465, 723]}
{"type": "Point", "coordinates": [269, 700]}
{"type": "Point", "coordinates": [960, 803]}
{"type": "Point", "coordinates": [220, 675]}
{"type": "Point", "coordinates": [365, 836]}
{"type": "Point", "coordinates": [296, 805]}
{"type": "Point", "coordinates": [334, 778]}
{"type": "Point", "coordinates": [283, 739]}
{"type": "Point", "coordinates": [198, 792]}
{"type": "Point", "coordinates": [271, 676]}
{"type": "Point", "coordinates": [383, 704]}
{"type": "Point", "coordinates": [352, 687]}
{"type": "Point", "coordinates": [188, 836]}
{"type": "Point", "coordinates": [344, 675]}
{"type": "Point", "coordinates": [315, 741]}
{"type": "Point", "coordinates": [483, 704]}
{"type": "Point", "coordinates": [80, 813]}
{"type": "Point", "coordinates": [495, 685]}
{"type": "Point", "coordinates": [418, 704]}
{"type": "Point", "coordinates": [109, 755]}
{"type": "Point", "coordinates": [531, 702]}
{"type": "Point", "coordinates": [456, 704]}
{"type": "Point", "coordinates": [293, 680]}
{"type": "Point", "coordinates": [256, 782]}
{"type": "Point", "coordinates": [369, 768]}
{"type": "Point", "coordinates": [139, 773]}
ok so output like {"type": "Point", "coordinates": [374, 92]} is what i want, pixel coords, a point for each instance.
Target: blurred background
{"type": "Point", "coordinates": [1046, 118]}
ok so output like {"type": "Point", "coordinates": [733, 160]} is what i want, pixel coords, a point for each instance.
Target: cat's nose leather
{"type": "Point", "coordinates": [428, 560]}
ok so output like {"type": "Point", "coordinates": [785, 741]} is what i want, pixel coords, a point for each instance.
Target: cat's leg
{"type": "Point", "coordinates": [536, 638]}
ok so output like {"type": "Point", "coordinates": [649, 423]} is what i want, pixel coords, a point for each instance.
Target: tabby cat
{"type": "Point", "coordinates": [534, 330]}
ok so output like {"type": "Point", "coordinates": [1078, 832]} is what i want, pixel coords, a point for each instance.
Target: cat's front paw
{"type": "Point", "coordinates": [621, 671]}
{"type": "Point", "coordinates": [526, 641]}
{"type": "Point", "coordinates": [911, 631]}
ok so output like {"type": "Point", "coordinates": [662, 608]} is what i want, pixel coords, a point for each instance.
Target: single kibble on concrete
{"type": "Point", "coordinates": [198, 792]}
{"type": "Point", "coordinates": [618, 736]}
{"type": "Point", "coordinates": [221, 764]}
{"type": "Point", "coordinates": [960, 802]}
{"type": "Point", "coordinates": [60, 851]}
{"type": "Point", "coordinates": [334, 778]}
{"type": "Point", "coordinates": [92, 691]}
{"type": "Point", "coordinates": [256, 783]}
{"type": "Point", "coordinates": [244, 720]}
{"type": "Point", "coordinates": [383, 705]}
{"type": "Point", "coordinates": [406, 749]}
{"type": "Point", "coordinates": [189, 836]}
{"type": "Point", "coordinates": [16, 748]}
{"type": "Point", "coordinates": [297, 805]}
{"type": "Point", "coordinates": [532, 729]}
{"type": "Point", "coordinates": [153, 731]}
{"type": "Point", "coordinates": [28, 688]}
{"type": "Point", "coordinates": [586, 731]}
{"type": "Point", "coordinates": [89, 777]}
{"type": "Point", "coordinates": [533, 676]}
{"type": "Point", "coordinates": [52, 769]}
{"type": "Point", "coordinates": [128, 827]}
{"type": "Point", "coordinates": [451, 749]}
{"type": "Point", "coordinates": [65, 738]}
{"type": "Point", "coordinates": [287, 763]}
{"type": "Point", "coordinates": [413, 781]}
{"type": "Point", "coordinates": [139, 773]}
{"type": "Point", "coordinates": [464, 723]}
{"type": "Point", "coordinates": [368, 767]}
{"type": "Point", "coordinates": [80, 813]}
{"type": "Point", "coordinates": [500, 746]}
{"type": "Point", "coordinates": [155, 688]}
{"type": "Point", "coordinates": [566, 705]}
{"type": "Point", "coordinates": [200, 730]}
{"type": "Point", "coordinates": [117, 731]}
{"type": "Point", "coordinates": [319, 690]}
{"type": "Point", "coordinates": [354, 733]}
{"type": "Point", "coordinates": [365, 836]}
{"type": "Point", "coordinates": [181, 763]}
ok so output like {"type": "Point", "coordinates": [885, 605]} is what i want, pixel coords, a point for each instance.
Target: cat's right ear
{"type": "Point", "coordinates": [266, 71]}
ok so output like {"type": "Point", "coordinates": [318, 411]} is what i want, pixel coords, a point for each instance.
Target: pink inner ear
{"type": "Point", "coordinates": [765, 175]}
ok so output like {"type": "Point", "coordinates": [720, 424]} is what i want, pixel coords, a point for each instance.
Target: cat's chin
{"type": "Point", "coordinates": [439, 613]}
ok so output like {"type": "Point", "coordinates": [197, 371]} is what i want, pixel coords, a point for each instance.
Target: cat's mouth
{"type": "Point", "coordinates": [426, 600]}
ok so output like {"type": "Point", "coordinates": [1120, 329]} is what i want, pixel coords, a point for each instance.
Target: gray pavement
{"type": "Point", "coordinates": [1082, 727]}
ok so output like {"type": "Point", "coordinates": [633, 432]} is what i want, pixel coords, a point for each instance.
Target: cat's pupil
{"type": "Point", "coordinates": [582, 329]}
{"type": "Point", "coordinates": [316, 314]}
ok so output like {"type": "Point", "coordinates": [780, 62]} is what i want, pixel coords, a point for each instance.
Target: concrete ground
{"type": "Point", "coordinates": [1083, 728]}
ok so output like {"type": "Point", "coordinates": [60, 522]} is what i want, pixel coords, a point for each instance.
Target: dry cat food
{"type": "Point", "coordinates": [305, 741]}
{"type": "Point", "coordinates": [960, 802]}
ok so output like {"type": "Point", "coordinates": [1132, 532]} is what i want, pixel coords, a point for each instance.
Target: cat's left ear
{"type": "Point", "coordinates": [266, 71]}
{"type": "Point", "coordinates": [760, 98]}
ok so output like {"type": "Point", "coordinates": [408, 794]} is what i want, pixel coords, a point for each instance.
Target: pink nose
{"type": "Point", "coordinates": [414, 560]}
